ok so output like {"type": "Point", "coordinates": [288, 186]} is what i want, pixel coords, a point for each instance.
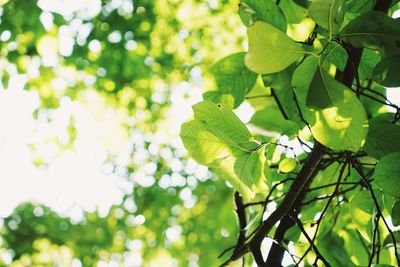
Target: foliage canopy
{"type": "Point", "coordinates": [315, 168]}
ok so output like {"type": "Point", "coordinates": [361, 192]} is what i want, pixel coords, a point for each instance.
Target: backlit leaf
{"type": "Point", "coordinates": [342, 127]}
{"type": "Point", "coordinates": [324, 90]}
{"type": "Point", "coordinates": [232, 78]}
{"type": "Point", "coordinates": [270, 50]}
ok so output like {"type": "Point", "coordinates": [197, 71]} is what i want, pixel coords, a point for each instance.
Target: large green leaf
{"type": "Point", "coordinates": [396, 213]}
{"type": "Point", "coordinates": [324, 90]}
{"type": "Point", "coordinates": [261, 10]}
{"type": "Point", "coordinates": [387, 174]}
{"type": "Point", "coordinates": [342, 127]}
{"type": "Point", "coordinates": [381, 136]}
{"type": "Point", "coordinates": [328, 14]}
{"type": "Point", "coordinates": [387, 72]}
{"type": "Point", "coordinates": [373, 30]}
{"type": "Point", "coordinates": [221, 121]}
{"type": "Point", "coordinates": [270, 50]}
{"type": "Point", "coordinates": [232, 78]}
{"type": "Point", "coordinates": [202, 144]}
{"type": "Point", "coordinates": [217, 138]}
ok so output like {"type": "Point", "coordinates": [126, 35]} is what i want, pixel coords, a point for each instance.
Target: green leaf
{"type": "Point", "coordinates": [221, 120]}
{"type": "Point", "coordinates": [232, 78]}
{"type": "Point", "coordinates": [381, 136]}
{"type": "Point", "coordinates": [324, 90]}
{"type": "Point", "coordinates": [359, 6]}
{"type": "Point", "coordinates": [220, 97]}
{"type": "Point", "coordinates": [249, 145]}
{"type": "Point", "coordinates": [369, 59]}
{"type": "Point", "coordinates": [374, 30]}
{"type": "Point", "coordinates": [362, 200]}
{"type": "Point", "coordinates": [224, 168]}
{"type": "Point", "coordinates": [303, 3]}
{"type": "Point", "coordinates": [331, 247]}
{"type": "Point", "coordinates": [202, 144]}
{"type": "Point", "coordinates": [388, 241]}
{"type": "Point", "coordinates": [271, 119]}
{"type": "Point", "coordinates": [217, 138]}
{"type": "Point", "coordinates": [328, 14]}
{"type": "Point", "coordinates": [302, 77]}
{"type": "Point", "coordinates": [387, 72]}
{"type": "Point", "coordinates": [336, 54]}
{"type": "Point", "coordinates": [270, 50]}
{"type": "Point", "coordinates": [342, 127]}
{"type": "Point", "coordinates": [278, 80]}
{"type": "Point", "coordinates": [287, 165]}
{"type": "Point", "coordinates": [251, 11]}
{"type": "Point", "coordinates": [373, 107]}
{"type": "Point", "coordinates": [294, 13]}
{"type": "Point", "coordinates": [387, 174]}
{"type": "Point", "coordinates": [396, 213]}
{"type": "Point", "coordinates": [249, 167]}
{"type": "Point", "coordinates": [362, 208]}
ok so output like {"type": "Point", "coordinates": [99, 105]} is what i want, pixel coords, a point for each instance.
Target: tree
{"type": "Point", "coordinates": [318, 155]}
{"type": "Point", "coordinates": [315, 73]}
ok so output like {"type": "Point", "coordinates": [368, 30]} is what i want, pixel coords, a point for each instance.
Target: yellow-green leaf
{"type": "Point", "coordinates": [270, 50]}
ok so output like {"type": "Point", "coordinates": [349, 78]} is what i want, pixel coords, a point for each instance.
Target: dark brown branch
{"type": "Point", "coordinates": [286, 204]}
{"type": "Point", "coordinates": [276, 253]}
{"type": "Point", "coordinates": [241, 214]}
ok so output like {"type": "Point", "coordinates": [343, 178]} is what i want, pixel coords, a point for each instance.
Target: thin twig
{"type": "Point", "coordinates": [314, 247]}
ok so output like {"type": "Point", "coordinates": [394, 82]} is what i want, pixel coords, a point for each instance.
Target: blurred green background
{"type": "Point", "coordinates": [92, 96]}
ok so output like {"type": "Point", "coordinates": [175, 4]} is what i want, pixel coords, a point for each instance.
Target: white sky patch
{"type": "Point", "coordinates": [393, 94]}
